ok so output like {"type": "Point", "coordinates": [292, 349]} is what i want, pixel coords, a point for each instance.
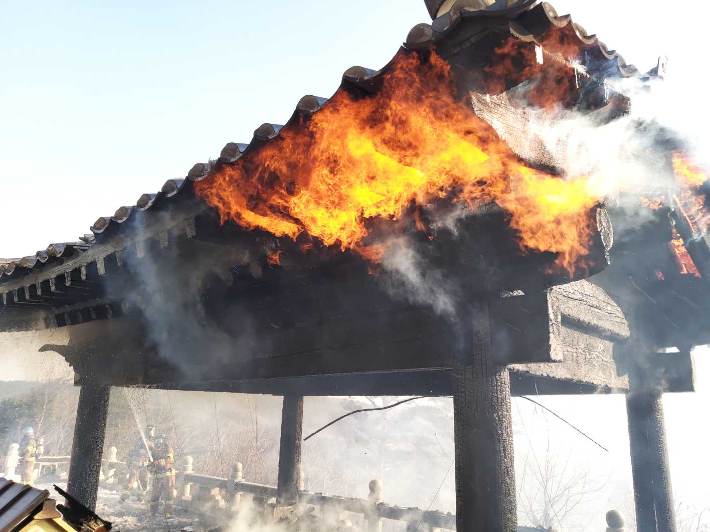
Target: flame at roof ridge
{"type": "Point", "coordinates": [371, 156]}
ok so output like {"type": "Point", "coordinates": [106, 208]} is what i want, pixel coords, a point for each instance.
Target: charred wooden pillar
{"type": "Point", "coordinates": [290, 449]}
{"type": "Point", "coordinates": [88, 443]}
{"type": "Point", "coordinates": [483, 432]}
{"type": "Point", "coordinates": [653, 493]}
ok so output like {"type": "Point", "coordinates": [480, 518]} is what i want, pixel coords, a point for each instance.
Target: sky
{"type": "Point", "coordinates": [101, 102]}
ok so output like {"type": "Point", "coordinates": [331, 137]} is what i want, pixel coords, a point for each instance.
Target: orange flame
{"type": "Point", "coordinates": [689, 178]}
{"type": "Point", "coordinates": [274, 258]}
{"type": "Point", "coordinates": [361, 158]}
{"type": "Point", "coordinates": [686, 266]}
{"type": "Point", "coordinates": [687, 173]}
{"type": "Point", "coordinates": [653, 203]}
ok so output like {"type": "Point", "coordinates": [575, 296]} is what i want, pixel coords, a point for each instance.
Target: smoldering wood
{"type": "Point", "coordinates": [432, 383]}
{"type": "Point", "coordinates": [290, 449]}
{"type": "Point", "coordinates": [653, 494]}
{"type": "Point", "coordinates": [483, 432]}
{"type": "Point", "coordinates": [574, 327]}
{"type": "Point", "coordinates": [88, 443]}
{"type": "Point", "coordinates": [327, 320]}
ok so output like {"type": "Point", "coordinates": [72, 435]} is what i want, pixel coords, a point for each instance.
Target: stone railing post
{"type": "Point", "coordinates": [372, 515]}
{"type": "Point", "coordinates": [110, 465]}
{"type": "Point", "coordinates": [615, 521]}
{"type": "Point", "coordinates": [13, 458]}
{"type": "Point", "coordinates": [185, 487]}
{"type": "Point", "coordinates": [39, 452]}
{"type": "Point", "coordinates": [235, 497]}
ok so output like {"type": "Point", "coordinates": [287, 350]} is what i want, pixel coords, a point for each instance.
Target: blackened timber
{"type": "Point", "coordinates": [290, 449]}
{"type": "Point", "coordinates": [88, 443]}
{"type": "Point", "coordinates": [430, 383]}
{"type": "Point", "coordinates": [483, 433]}
{"type": "Point", "coordinates": [650, 469]}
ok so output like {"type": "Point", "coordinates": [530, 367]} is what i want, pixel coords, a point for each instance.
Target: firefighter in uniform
{"type": "Point", "coordinates": [138, 475]}
{"type": "Point", "coordinates": [163, 476]}
{"type": "Point", "coordinates": [29, 451]}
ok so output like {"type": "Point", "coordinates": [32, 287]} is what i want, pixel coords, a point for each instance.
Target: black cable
{"type": "Point", "coordinates": [360, 410]}
{"type": "Point", "coordinates": [565, 421]}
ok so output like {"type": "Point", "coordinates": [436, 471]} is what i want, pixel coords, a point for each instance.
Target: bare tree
{"type": "Point", "coordinates": [690, 518]}
{"type": "Point", "coordinates": [552, 490]}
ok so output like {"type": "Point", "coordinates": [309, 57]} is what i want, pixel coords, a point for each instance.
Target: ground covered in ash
{"type": "Point", "coordinates": [133, 516]}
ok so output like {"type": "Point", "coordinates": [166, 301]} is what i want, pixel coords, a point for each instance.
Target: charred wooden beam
{"type": "Point", "coordinates": [653, 494]}
{"type": "Point", "coordinates": [88, 443]}
{"type": "Point", "coordinates": [290, 449]}
{"type": "Point", "coordinates": [483, 433]}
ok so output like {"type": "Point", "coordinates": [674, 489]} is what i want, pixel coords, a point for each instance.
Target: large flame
{"type": "Point", "coordinates": [360, 158]}
{"type": "Point", "coordinates": [689, 178]}
{"type": "Point", "coordinates": [687, 173]}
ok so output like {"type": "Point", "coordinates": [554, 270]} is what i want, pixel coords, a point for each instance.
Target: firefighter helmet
{"type": "Point", "coordinates": [160, 439]}
{"type": "Point", "coordinates": [150, 431]}
{"type": "Point", "coordinates": [28, 431]}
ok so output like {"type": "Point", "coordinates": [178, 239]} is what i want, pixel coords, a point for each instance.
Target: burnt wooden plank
{"type": "Point", "coordinates": [585, 359]}
{"type": "Point", "coordinates": [588, 307]}
{"type": "Point", "coordinates": [536, 328]}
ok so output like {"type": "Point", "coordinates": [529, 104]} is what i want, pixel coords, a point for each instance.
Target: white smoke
{"type": "Point", "coordinates": [410, 276]}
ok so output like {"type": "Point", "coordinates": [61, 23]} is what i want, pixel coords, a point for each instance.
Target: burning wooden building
{"type": "Point", "coordinates": [414, 234]}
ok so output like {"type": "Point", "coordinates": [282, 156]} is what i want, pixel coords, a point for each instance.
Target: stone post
{"type": "Point", "coordinates": [13, 458]}
{"type": "Point", "coordinates": [111, 465]}
{"type": "Point", "coordinates": [88, 443]}
{"type": "Point", "coordinates": [185, 487]}
{"type": "Point", "coordinates": [235, 496]}
{"type": "Point", "coordinates": [650, 469]}
{"type": "Point", "coordinates": [615, 521]}
{"type": "Point", "coordinates": [372, 516]}
{"type": "Point", "coordinates": [290, 449]}
{"type": "Point", "coordinates": [483, 432]}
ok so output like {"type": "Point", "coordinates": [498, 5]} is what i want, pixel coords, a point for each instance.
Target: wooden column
{"type": "Point", "coordinates": [653, 493]}
{"type": "Point", "coordinates": [483, 433]}
{"type": "Point", "coordinates": [88, 443]}
{"type": "Point", "coordinates": [290, 449]}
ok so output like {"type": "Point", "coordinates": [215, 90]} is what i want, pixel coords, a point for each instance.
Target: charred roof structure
{"type": "Point", "coordinates": [172, 292]}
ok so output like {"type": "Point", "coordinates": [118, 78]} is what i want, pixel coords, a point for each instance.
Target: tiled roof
{"type": "Point", "coordinates": [18, 502]}
{"type": "Point", "coordinates": [529, 21]}
{"type": "Point", "coordinates": [533, 21]}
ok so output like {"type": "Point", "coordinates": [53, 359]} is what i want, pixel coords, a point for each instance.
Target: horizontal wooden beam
{"type": "Point", "coordinates": [565, 334]}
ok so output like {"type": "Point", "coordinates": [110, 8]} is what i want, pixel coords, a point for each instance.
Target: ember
{"type": "Point", "coordinates": [653, 203]}
{"type": "Point", "coordinates": [686, 266]}
{"type": "Point", "coordinates": [412, 142]}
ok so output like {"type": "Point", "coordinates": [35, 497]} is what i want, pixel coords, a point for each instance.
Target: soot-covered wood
{"type": "Point", "coordinates": [290, 449]}
{"type": "Point", "coordinates": [483, 432]}
{"type": "Point", "coordinates": [335, 326]}
{"type": "Point", "coordinates": [88, 443]}
{"type": "Point", "coordinates": [653, 493]}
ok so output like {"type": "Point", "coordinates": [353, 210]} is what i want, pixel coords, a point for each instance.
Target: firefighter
{"type": "Point", "coordinates": [138, 475]}
{"type": "Point", "coordinates": [163, 476]}
{"type": "Point", "coordinates": [29, 450]}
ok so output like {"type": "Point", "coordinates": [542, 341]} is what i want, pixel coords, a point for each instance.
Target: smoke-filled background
{"type": "Point", "coordinates": [564, 479]}
{"type": "Point", "coordinates": [103, 103]}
